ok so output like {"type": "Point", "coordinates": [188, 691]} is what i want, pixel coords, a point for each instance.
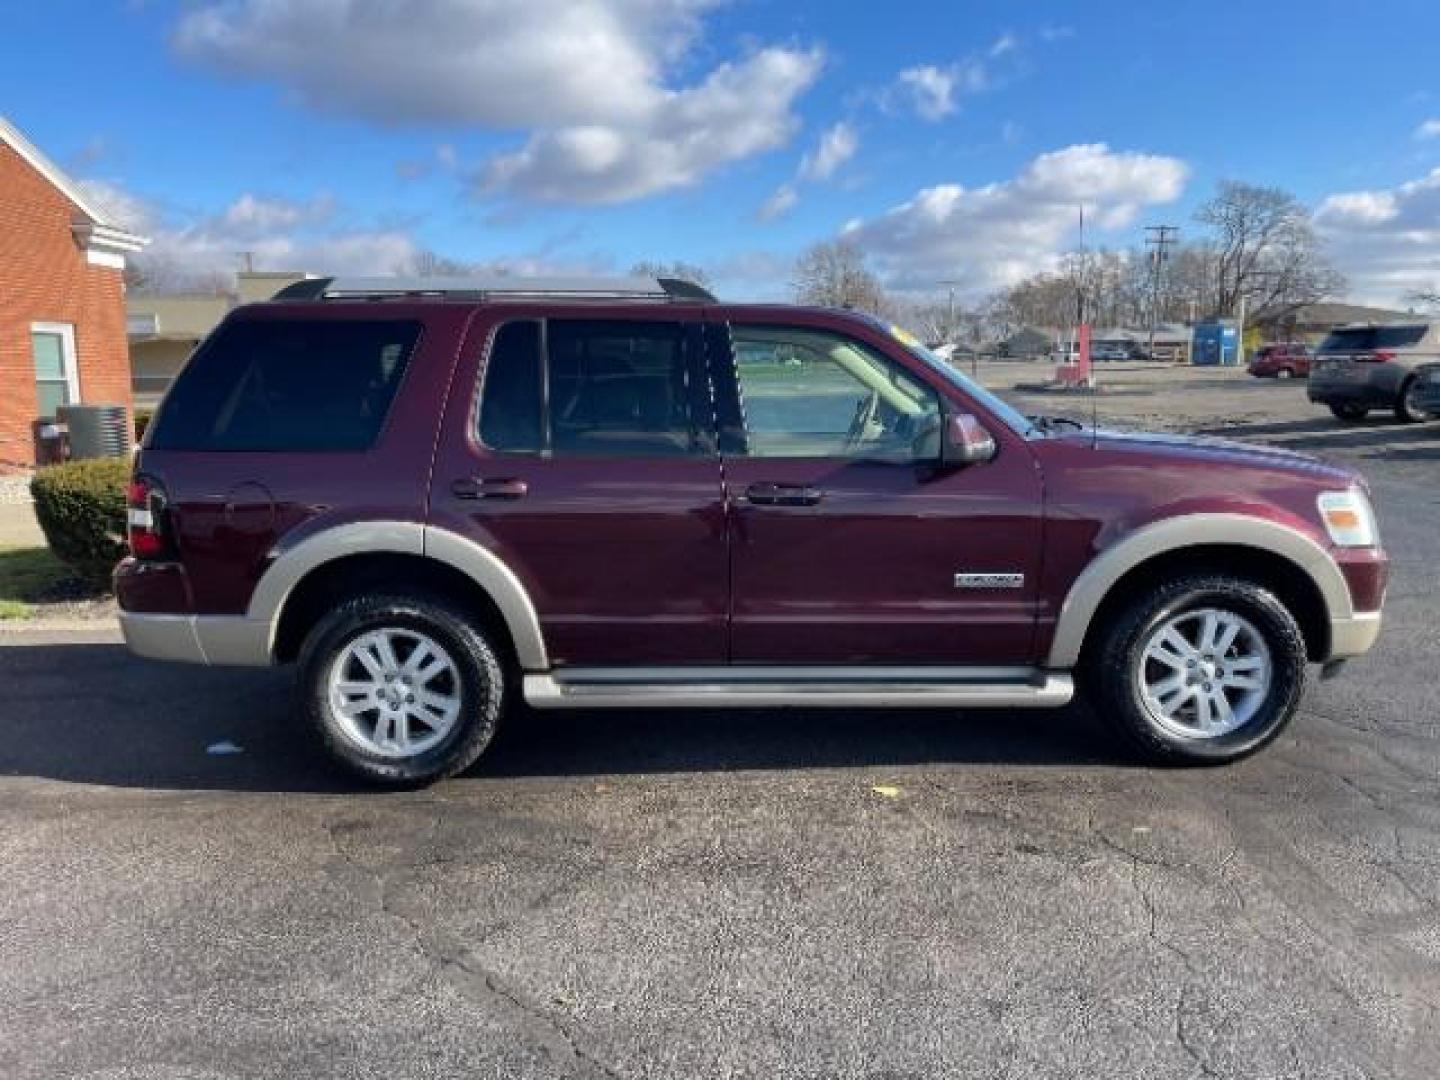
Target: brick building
{"type": "Point", "coordinates": [62, 297]}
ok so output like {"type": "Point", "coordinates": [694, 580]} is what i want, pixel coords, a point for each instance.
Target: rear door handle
{"type": "Point", "coordinates": [772, 494]}
{"type": "Point", "coordinates": [510, 487]}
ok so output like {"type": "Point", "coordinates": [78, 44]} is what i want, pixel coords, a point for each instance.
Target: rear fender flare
{"type": "Point", "coordinates": [405, 538]}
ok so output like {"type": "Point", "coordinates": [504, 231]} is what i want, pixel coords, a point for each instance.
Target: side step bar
{"type": "Point", "coordinates": [797, 687]}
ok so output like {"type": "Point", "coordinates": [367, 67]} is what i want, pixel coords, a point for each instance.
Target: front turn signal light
{"type": "Point", "coordinates": [1348, 518]}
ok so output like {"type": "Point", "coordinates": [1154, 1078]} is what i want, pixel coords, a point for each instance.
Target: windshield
{"type": "Point", "coordinates": [1008, 414]}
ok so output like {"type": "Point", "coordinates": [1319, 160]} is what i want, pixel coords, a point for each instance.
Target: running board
{"type": "Point", "coordinates": [798, 687]}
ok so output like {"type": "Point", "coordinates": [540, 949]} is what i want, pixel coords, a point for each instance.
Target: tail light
{"type": "Point", "coordinates": [145, 519]}
{"type": "Point", "coordinates": [1379, 356]}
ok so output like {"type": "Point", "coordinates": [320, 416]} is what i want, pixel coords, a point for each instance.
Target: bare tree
{"type": "Point", "coordinates": [1428, 297]}
{"type": "Point", "coordinates": [148, 274]}
{"type": "Point", "coordinates": [681, 271]}
{"type": "Point", "coordinates": [427, 263]}
{"type": "Point", "coordinates": [1266, 252]}
{"type": "Point", "coordinates": [834, 274]}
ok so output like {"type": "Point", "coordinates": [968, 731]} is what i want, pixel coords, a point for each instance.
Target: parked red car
{"type": "Point", "coordinates": [1283, 361]}
{"type": "Point", "coordinates": [437, 497]}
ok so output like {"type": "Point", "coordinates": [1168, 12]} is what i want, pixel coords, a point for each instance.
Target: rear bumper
{"type": "Point", "coordinates": [1377, 386]}
{"type": "Point", "coordinates": [230, 640]}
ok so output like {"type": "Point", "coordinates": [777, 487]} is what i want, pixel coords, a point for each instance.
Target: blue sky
{"type": "Point", "coordinates": [949, 140]}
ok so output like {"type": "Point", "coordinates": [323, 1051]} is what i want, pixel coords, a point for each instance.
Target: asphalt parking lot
{"type": "Point", "coordinates": [745, 894]}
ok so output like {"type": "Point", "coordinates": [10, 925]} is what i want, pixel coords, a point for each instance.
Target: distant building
{"type": "Point", "coordinates": [1311, 322]}
{"type": "Point", "coordinates": [164, 328]}
{"type": "Point", "coordinates": [62, 297]}
{"type": "Point", "coordinates": [1027, 341]}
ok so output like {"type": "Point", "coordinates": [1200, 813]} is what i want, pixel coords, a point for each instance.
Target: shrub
{"type": "Point", "coordinates": [141, 422]}
{"type": "Point", "coordinates": [81, 508]}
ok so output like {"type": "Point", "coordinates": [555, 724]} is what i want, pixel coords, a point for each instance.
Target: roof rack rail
{"type": "Point", "coordinates": [495, 288]}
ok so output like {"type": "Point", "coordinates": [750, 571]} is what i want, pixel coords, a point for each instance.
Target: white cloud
{"type": "Point", "coordinates": [592, 84]}
{"type": "Point", "coordinates": [1428, 129]}
{"type": "Point", "coordinates": [256, 215]}
{"type": "Point", "coordinates": [1003, 44]}
{"type": "Point", "coordinates": [740, 109]}
{"type": "Point", "coordinates": [837, 145]}
{"type": "Point", "coordinates": [1387, 241]}
{"type": "Point", "coordinates": [994, 235]}
{"type": "Point", "coordinates": [933, 91]}
{"type": "Point", "coordinates": [493, 62]}
{"type": "Point", "coordinates": [279, 234]}
{"type": "Point", "coordinates": [781, 201]}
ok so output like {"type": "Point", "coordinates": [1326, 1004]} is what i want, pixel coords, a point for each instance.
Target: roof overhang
{"type": "Point", "coordinates": [106, 245]}
{"type": "Point", "coordinates": [104, 242]}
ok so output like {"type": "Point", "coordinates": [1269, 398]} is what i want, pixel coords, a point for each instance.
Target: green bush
{"type": "Point", "coordinates": [141, 422]}
{"type": "Point", "coordinates": [81, 508]}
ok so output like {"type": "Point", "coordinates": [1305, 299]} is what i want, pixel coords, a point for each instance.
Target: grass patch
{"type": "Point", "coordinates": [31, 576]}
{"type": "Point", "coordinates": [14, 609]}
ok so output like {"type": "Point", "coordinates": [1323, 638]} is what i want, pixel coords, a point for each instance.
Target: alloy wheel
{"type": "Point", "coordinates": [1205, 673]}
{"type": "Point", "coordinates": [394, 692]}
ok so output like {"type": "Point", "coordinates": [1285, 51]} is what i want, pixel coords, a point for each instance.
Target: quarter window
{"type": "Point", "coordinates": [323, 385]}
{"type": "Point", "coordinates": [590, 388]}
{"type": "Point", "coordinates": [811, 393]}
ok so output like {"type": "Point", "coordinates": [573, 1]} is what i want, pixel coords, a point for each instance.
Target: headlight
{"type": "Point", "coordinates": [1348, 518]}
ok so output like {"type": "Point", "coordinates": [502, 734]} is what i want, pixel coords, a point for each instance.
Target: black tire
{"type": "Point", "coordinates": [1348, 411]}
{"type": "Point", "coordinates": [1406, 411]}
{"type": "Point", "coordinates": [1114, 669]}
{"type": "Point", "coordinates": [481, 686]}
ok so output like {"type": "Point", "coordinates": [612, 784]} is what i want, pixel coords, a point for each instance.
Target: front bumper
{"type": "Point", "coordinates": [1353, 636]}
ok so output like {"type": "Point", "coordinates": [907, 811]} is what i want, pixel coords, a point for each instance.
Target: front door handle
{"type": "Point", "coordinates": [766, 493]}
{"type": "Point", "coordinates": [475, 487]}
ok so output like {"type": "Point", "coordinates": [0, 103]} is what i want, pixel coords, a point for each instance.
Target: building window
{"type": "Point", "coordinates": [57, 376]}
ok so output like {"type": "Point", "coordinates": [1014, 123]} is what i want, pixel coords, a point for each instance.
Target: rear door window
{"type": "Point", "coordinates": [594, 388]}
{"type": "Point", "coordinates": [321, 385]}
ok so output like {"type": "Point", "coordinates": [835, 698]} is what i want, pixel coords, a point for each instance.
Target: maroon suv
{"type": "Point", "coordinates": [437, 496]}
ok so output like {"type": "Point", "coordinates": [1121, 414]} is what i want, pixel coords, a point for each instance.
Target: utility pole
{"type": "Point", "coordinates": [247, 260]}
{"type": "Point", "coordinates": [1159, 239]}
{"type": "Point", "coordinates": [950, 284]}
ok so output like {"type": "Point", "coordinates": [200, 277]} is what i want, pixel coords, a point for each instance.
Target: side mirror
{"type": "Point", "coordinates": [966, 441]}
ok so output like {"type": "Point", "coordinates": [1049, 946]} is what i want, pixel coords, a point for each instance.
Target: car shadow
{"type": "Point", "coordinates": [94, 714]}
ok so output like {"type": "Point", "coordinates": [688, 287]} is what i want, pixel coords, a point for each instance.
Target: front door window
{"type": "Point", "coordinates": [810, 393]}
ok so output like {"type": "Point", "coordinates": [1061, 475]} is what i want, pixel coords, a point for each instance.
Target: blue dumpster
{"type": "Point", "coordinates": [1215, 342]}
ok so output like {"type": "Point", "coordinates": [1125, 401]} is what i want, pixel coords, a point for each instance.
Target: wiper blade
{"type": "Point", "coordinates": [1048, 424]}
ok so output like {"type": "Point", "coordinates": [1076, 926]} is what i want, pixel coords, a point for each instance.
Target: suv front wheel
{"type": "Point", "coordinates": [1202, 670]}
{"type": "Point", "coordinates": [401, 690]}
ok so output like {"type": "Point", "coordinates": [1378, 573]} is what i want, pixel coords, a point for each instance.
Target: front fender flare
{"type": "Point", "coordinates": [1175, 534]}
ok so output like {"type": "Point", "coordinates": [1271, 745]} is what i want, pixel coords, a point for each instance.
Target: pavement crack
{"type": "Point", "coordinates": [454, 960]}
{"type": "Point", "coordinates": [1182, 1035]}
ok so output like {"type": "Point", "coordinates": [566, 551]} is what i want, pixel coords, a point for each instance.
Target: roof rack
{"type": "Point", "coordinates": [494, 288]}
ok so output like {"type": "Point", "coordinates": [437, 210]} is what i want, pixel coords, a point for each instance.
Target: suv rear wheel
{"type": "Point", "coordinates": [1348, 411]}
{"type": "Point", "coordinates": [1407, 408]}
{"type": "Point", "coordinates": [1203, 670]}
{"type": "Point", "coordinates": [401, 690]}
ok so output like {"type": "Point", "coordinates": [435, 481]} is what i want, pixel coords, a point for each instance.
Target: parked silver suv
{"type": "Point", "coordinates": [1370, 366]}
